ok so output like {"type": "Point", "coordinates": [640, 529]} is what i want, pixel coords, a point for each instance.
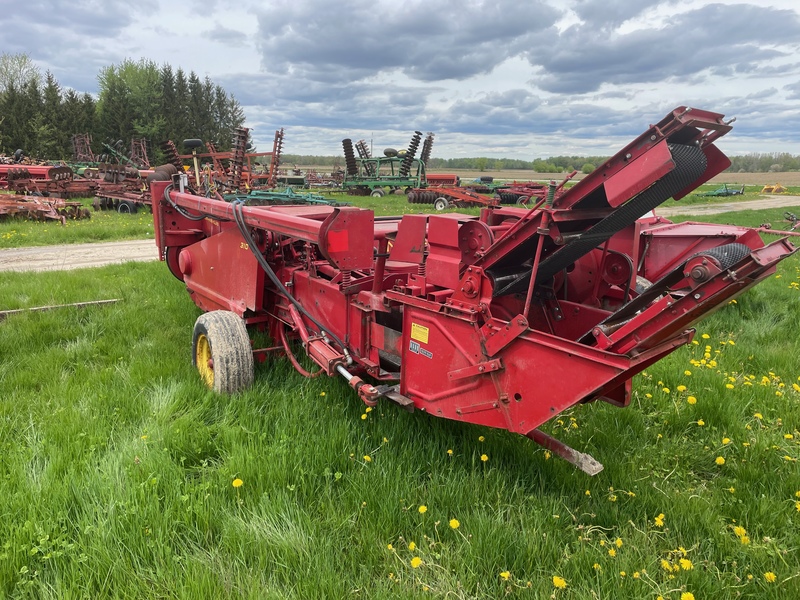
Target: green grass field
{"type": "Point", "coordinates": [121, 476]}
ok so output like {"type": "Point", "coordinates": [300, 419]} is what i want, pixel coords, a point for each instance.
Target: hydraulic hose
{"type": "Point", "coordinates": [238, 216]}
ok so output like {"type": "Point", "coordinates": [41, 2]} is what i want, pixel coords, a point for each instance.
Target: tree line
{"type": "Point", "coordinates": [775, 162]}
{"type": "Point", "coordinates": [136, 99]}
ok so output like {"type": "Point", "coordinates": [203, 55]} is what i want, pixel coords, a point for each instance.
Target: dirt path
{"type": "Point", "coordinates": [669, 208]}
{"type": "Point", "coordinates": [78, 256]}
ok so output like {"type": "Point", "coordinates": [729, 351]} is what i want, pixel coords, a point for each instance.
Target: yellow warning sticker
{"type": "Point", "coordinates": [419, 333]}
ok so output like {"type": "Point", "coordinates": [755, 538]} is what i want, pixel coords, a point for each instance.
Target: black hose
{"type": "Point", "coordinates": [178, 208]}
{"type": "Point", "coordinates": [238, 216]}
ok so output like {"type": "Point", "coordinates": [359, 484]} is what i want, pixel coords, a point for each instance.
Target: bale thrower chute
{"type": "Point", "coordinates": [505, 319]}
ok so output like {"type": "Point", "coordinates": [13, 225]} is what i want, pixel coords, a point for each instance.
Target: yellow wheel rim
{"type": "Point", "coordinates": [203, 360]}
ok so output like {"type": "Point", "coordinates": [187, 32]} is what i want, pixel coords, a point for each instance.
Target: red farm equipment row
{"type": "Point", "coordinates": [443, 197]}
{"type": "Point", "coordinates": [40, 209]}
{"type": "Point", "coordinates": [504, 319]}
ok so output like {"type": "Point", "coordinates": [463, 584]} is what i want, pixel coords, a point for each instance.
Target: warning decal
{"type": "Point", "coordinates": [419, 333]}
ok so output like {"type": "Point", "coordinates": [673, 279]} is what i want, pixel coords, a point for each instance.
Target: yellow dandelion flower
{"type": "Point", "coordinates": [739, 531]}
{"type": "Point", "coordinates": [612, 553]}
{"type": "Point", "coordinates": [602, 542]}
{"type": "Point", "coordinates": [730, 386]}
{"type": "Point", "coordinates": [596, 566]}
{"type": "Point", "coordinates": [322, 393]}
{"type": "Point", "coordinates": [237, 483]}
{"type": "Point", "coordinates": [665, 564]}
{"type": "Point", "coordinates": [363, 416]}
{"type": "Point", "coordinates": [770, 577]}
{"type": "Point", "coordinates": [636, 575]}
{"type": "Point", "coordinates": [648, 396]}
{"type": "Point", "coordinates": [665, 390]}
{"type": "Point", "coordinates": [688, 373]}
{"type": "Point", "coordinates": [691, 400]}
{"type": "Point", "coordinates": [719, 460]}
{"type": "Point", "coordinates": [686, 564]}
{"type": "Point", "coordinates": [797, 494]}
{"type": "Point", "coordinates": [505, 575]}
{"type": "Point", "coordinates": [788, 436]}
{"type": "Point", "coordinates": [731, 489]}
{"type": "Point", "coordinates": [587, 493]}
{"type": "Point", "coordinates": [618, 543]}
{"type": "Point", "coordinates": [449, 452]}
{"type": "Point", "coordinates": [454, 523]}
{"type": "Point", "coordinates": [422, 509]}
{"type": "Point", "coordinates": [681, 388]}
{"type": "Point", "coordinates": [367, 458]}
{"type": "Point", "coordinates": [700, 422]}
{"type": "Point", "coordinates": [797, 505]}
{"type": "Point", "coordinates": [368, 409]}
{"type": "Point", "coordinates": [481, 439]}
{"type": "Point", "coordinates": [412, 546]}
{"type": "Point", "coordinates": [687, 596]}
{"type": "Point", "coordinates": [758, 416]}
{"type": "Point", "coordinates": [559, 582]}
{"type": "Point", "coordinates": [705, 336]}
{"type": "Point", "coordinates": [659, 520]}
{"type": "Point", "coordinates": [547, 455]}
{"type": "Point", "coordinates": [745, 540]}
{"type": "Point", "coordinates": [416, 562]}
{"type": "Point", "coordinates": [726, 441]}
{"type": "Point", "coordinates": [622, 573]}
{"type": "Point", "coordinates": [389, 547]}
{"type": "Point", "coordinates": [484, 458]}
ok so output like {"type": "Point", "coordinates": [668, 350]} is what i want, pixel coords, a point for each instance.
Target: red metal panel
{"type": "Point", "coordinates": [639, 174]}
{"type": "Point", "coordinates": [409, 245]}
{"type": "Point", "coordinates": [444, 258]}
{"type": "Point", "coordinates": [222, 271]}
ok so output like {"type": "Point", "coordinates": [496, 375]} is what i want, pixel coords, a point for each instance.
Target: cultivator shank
{"type": "Point", "coordinates": [505, 319]}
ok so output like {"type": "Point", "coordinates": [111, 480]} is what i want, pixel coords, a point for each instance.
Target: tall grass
{"type": "Point", "coordinates": [117, 468]}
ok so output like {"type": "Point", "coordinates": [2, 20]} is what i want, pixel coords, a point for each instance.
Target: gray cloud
{"type": "Point", "coordinates": [429, 42]}
{"type": "Point", "coordinates": [226, 36]}
{"type": "Point", "coordinates": [337, 69]}
{"type": "Point", "coordinates": [584, 57]}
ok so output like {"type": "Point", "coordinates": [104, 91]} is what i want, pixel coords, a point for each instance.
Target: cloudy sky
{"type": "Point", "coordinates": [506, 78]}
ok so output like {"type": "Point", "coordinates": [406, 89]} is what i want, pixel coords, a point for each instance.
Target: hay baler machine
{"type": "Point", "coordinates": [504, 320]}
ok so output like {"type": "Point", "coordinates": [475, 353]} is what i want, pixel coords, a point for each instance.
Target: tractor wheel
{"type": "Point", "coordinates": [221, 352]}
{"type": "Point", "coordinates": [441, 203]}
{"type": "Point", "coordinates": [126, 207]}
{"type": "Point", "coordinates": [377, 193]}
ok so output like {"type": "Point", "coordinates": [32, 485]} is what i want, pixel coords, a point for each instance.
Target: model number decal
{"type": "Point", "coordinates": [417, 349]}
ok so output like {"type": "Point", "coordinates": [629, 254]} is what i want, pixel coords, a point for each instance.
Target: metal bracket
{"type": "Point", "coordinates": [496, 337]}
{"type": "Point", "coordinates": [474, 370]}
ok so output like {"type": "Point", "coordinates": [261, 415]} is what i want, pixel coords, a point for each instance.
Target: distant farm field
{"type": "Point", "coordinates": [789, 178]}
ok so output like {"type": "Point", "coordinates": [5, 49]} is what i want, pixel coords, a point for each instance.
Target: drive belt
{"type": "Point", "coordinates": [690, 164]}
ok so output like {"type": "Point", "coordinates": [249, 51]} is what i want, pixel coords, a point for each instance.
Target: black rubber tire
{"type": "Point", "coordinates": [377, 193]}
{"type": "Point", "coordinates": [441, 203]}
{"type": "Point", "coordinates": [126, 207]}
{"type": "Point", "coordinates": [222, 336]}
